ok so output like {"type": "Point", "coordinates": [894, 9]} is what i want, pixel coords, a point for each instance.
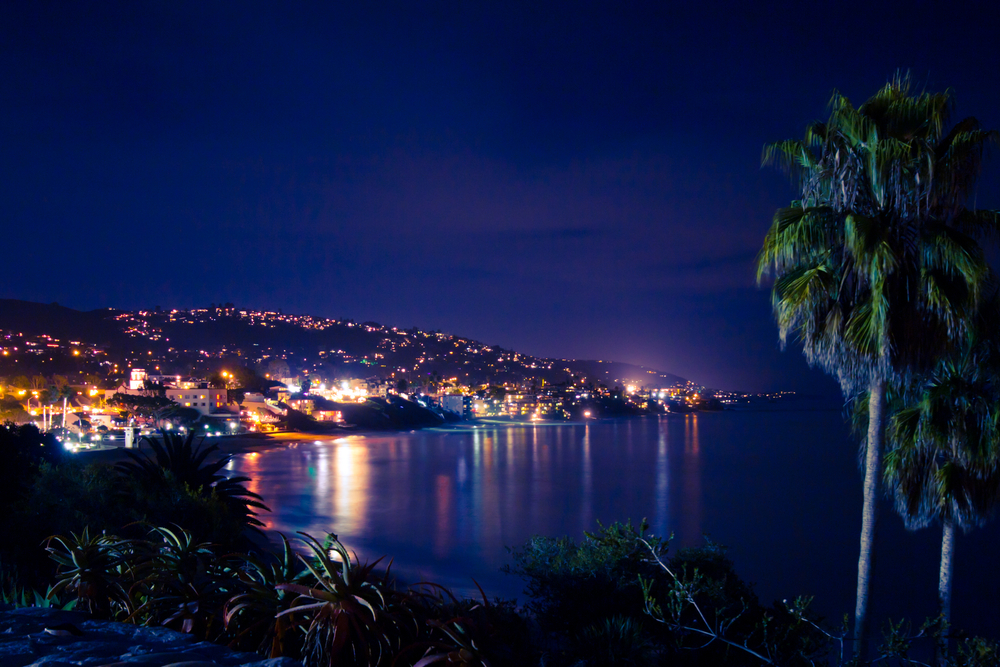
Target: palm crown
{"type": "Point", "coordinates": [186, 462]}
{"type": "Point", "coordinates": [877, 268]}
{"type": "Point", "coordinates": [943, 461]}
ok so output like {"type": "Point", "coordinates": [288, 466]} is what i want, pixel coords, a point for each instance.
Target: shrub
{"type": "Point", "coordinates": [182, 583]}
{"type": "Point", "coordinates": [616, 641]}
{"type": "Point", "coordinates": [709, 616]}
{"type": "Point", "coordinates": [11, 410]}
{"type": "Point", "coordinates": [616, 596]}
{"type": "Point", "coordinates": [329, 609]}
{"type": "Point", "coordinates": [93, 569]}
{"type": "Point", "coordinates": [177, 459]}
{"type": "Point", "coordinates": [573, 585]}
{"type": "Point", "coordinates": [469, 632]}
{"type": "Point", "coordinates": [22, 449]}
{"type": "Point", "coordinates": [70, 497]}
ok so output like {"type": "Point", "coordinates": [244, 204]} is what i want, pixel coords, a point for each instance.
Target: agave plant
{"type": "Point", "coordinates": [185, 461]}
{"type": "Point", "coordinates": [459, 649]}
{"type": "Point", "coordinates": [344, 613]}
{"type": "Point", "coordinates": [94, 568]}
{"type": "Point", "coordinates": [459, 631]}
{"type": "Point", "coordinates": [183, 584]}
{"type": "Point", "coordinates": [29, 597]}
{"type": "Point", "coordinates": [252, 616]}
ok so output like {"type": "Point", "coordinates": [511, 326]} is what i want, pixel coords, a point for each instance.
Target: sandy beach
{"type": "Point", "coordinates": [248, 442]}
{"type": "Point", "coordinates": [228, 445]}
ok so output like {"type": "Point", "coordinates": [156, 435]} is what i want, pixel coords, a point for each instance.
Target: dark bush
{"type": "Point", "coordinates": [178, 460]}
{"type": "Point", "coordinates": [69, 497]}
{"type": "Point", "coordinates": [22, 450]}
{"type": "Point", "coordinates": [617, 641]}
{"type": "Point", "coordinates": [615, 596]}
{"type": "Point", "coordinates": [573, 585]}
{"type": "Point", "coordinates": [12, 410]}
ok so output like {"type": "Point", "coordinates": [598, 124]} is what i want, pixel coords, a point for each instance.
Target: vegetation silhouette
{"type": "Point", "coordinates": [943, 462]}
{"type": "Point", "coordinates": [177, 457]}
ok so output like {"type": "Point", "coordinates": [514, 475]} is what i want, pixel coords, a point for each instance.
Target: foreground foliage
{"type": "Point", "coordinates": [180, 485]}
{"type": "Point", "coordinates": [626, 600]}
{"type": "Point", "coordinates": [324, 607]}
{"type": "Point", "coordinates": [617, 593]}
{"type": "Point", "coordinates": [177, 457]}
{"type": "Point", "coordinates": [23, 449]}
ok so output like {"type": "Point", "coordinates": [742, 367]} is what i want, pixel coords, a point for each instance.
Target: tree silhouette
{"type": "Point", "coordinates": [876, 267]}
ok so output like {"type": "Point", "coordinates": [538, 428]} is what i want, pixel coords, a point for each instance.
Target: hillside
{"type": "Point", "coordinates": [49, 338]}
{"type": "Point", "coordinates": [37, 319]}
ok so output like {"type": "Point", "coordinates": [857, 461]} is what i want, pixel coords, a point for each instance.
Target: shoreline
{"type": "Point", "coordinates": [231, 445]}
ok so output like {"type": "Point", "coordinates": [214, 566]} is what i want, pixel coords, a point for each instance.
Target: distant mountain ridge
{"type": "Point", "coordinates": [96, 326]}
{"type": "Point", "coordinates": [183, 340]}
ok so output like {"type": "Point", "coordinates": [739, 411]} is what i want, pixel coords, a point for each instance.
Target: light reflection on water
{"type": "Point", "coordinates": [690, 514]}
{"type": "Point", "coordinates": [447, 502]}
{"type": "Point", "coordinates": [782, 490]}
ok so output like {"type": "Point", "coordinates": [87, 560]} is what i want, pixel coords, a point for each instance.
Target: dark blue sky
{"type": "Point", "coordinates": [566, 179]}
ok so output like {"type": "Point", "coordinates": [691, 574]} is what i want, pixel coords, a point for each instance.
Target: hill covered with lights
{"type": "Point", "coordinates": [104, 344]}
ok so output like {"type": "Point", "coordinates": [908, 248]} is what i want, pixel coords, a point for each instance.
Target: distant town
{"type": "Point", "coordinates": [223, 369]}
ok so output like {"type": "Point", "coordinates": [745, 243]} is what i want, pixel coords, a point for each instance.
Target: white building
{"type": "Point", "coordinates": [205, 401]}
{"type": "Point", "coordinates": [138, 379]}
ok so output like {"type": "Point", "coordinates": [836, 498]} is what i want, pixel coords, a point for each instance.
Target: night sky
{"type": "Point", "coordinates": [566, 179]}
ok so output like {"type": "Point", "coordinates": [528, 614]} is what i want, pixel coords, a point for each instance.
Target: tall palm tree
{"type": "Point", "coordinates": [877, 269]}
{"type": "Point", "coordinates": [187, 461]}
{"type": "Point", "coordinates": [64, 393]}
{"type": "Point", "coordinates": [943, 462]}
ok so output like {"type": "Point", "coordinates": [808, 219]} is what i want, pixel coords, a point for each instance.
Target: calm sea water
{"type": "Point", "coordinates": [781, 489]}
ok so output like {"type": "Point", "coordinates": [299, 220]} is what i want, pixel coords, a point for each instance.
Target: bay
{"type": "Point", "coordinates": [780, 488]}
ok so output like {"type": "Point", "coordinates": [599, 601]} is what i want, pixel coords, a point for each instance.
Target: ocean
{"type": "Point", "coordinates": [780, 488]}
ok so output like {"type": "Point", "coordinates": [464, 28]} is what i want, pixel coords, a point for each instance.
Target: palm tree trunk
{"type": "Point", "coordinates": [873, 474]}
{"type": "Point", "coordinates": [944, 584]}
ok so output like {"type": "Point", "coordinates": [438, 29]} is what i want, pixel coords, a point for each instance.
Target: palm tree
{"type": "Point", "coordinates": [943, 461]}
{"type": "Point", "coordinates": [64, 393]}
{"type": "Point", "coordinates": [187, 462]}
{"type": "Point", "coordinates": [877, 269]}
